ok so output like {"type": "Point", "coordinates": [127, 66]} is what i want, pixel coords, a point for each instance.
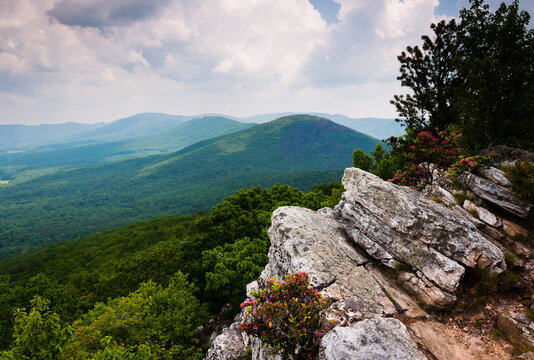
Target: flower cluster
{"type": "Point", "coordinates": [426, 153]}
{"type": "Point", "coordinates": [287, 316]}
{"type": "Point", "coordinates": [465, 164]}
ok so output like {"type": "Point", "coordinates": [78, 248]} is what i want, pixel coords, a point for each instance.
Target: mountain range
{"type": "Point", "coordinates": [18, 137]}
{"type": "Point", "coordinates": [64, 202]}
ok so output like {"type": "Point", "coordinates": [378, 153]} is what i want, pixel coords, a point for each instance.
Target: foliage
{"type": "Point", "coordinates": [332, 191]}
{"type": "Point", "coordinates": [494, 62]}
{"type": "Point", "coordinates": [300, 151]}
{"type": "Point", "coordinates": [465, 164]}
{"type": "Point", "coordinates": [521, 175]}
{"type": "Point", "coordinates": [39, 334]}
{"type": "Point", "coordinates": [426, 154]}
{"type": "Point", "coordinates": [428, 72]}
{"type": "Point", "coordinates": [379, 162]}
{"type": "Point", "coordinates": [152, 320]}
{"type": "Point", "coordinates": [361, 160]}
{"type": "Point", "coordinates": [287, 316]}
{"type": "Point", "coordinates": [232, 266]}
{"type": "Point", "coordinates": [475, 75]}
{"type": "Point", "coordinates": [220, 251]}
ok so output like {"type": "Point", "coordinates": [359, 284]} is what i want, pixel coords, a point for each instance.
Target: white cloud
{"type": "Point", "coordinates": [94, 60]}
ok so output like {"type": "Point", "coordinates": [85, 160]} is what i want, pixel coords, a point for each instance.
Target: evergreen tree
{"type": "Point", "coordinates": [429, 73]}
{"type": "Point", "coordinates": [476, 76]}
{"type": "Point", "coordinates": [495, 63]}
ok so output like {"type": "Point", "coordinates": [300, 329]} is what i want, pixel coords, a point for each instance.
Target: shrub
{"type": "Point", "coordinates": [287, 316]}
{"type": "Point", "coordinates": [426, 153]}
{"type": "Point", "coordinates": [521, 175]}
{"type": "Point", "coordinates": [465, 164]}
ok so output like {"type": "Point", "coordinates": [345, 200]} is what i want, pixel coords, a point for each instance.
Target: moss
{"type": "Point", "coordinates": [460, 198]}
{"type": "Point", "coordinates": [510, 259]}
{"type": "Point", "coordinates": [436, 199]}
{"type": "Point", "coordinates": [521, 175]}
{"type": "Point", "coordinates": [498, 333]}
{"type": "Point", "coordinates": [247, 355]}
{"type": "Point", "coordinates": [530, 314]}
{"type": "Point", "coordinates": [508, 280]}
{"type": "Point", "coordinates": [474, 212]}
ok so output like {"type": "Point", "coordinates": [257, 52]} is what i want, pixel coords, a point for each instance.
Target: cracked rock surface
{"type": "Point", "coordinates": [389, 255]}
{"type": "Point", "coordinates": [304, 240]}
{"type": "Point", "coordinates": [402, 228]}
{"type": "Point", "coordinates": [378, 338]}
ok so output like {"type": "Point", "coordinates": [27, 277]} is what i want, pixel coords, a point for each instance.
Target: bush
{"type": "Point", "coordinates": [521, 175]}
{"type": "Point", "coordinates": [426, 153]}
{"type": "Point", "coordinates": [287, 316]}
{"type": "Point", "coordinates": [465, 164]}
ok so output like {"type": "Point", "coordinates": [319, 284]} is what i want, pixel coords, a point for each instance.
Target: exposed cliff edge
{"type": "Point", "coordinates": [390, 256]}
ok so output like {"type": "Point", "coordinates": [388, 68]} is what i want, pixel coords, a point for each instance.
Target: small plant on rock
{"type": "Point", "coordinates": [287, 316]}
{"type": "Point", "coordinates": [426, 154]}
{"type": "Point", "coordinates": [521, 175]}
{"type": "Point", "coordinates": [465, 164]}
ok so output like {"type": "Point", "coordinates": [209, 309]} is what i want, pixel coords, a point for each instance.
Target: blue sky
{"type": "Point", "coordinates": [99, 60]}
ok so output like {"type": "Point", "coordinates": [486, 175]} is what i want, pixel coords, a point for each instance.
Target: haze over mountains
{"type": "Point", "coordinates": [148, 124]}
{"type": "Point", "coordinates": [62, 191]}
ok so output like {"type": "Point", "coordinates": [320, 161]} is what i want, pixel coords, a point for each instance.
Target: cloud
{"type": "Point", "coordinates": [94, 60]}
{"type": "Point", "coordinates": [104, 13]}
{"type": "Point", "coordinates": [364, 46]}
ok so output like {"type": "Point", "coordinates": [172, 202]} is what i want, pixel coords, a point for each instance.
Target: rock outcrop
{"type": "Point", "coordinates": [387, 253]}
{"type": "Point", "coordinates": [304, 240]}
{"type": "Point", "coordinates": [495, 194]}
{"type": "Point", "coordinates": [406, 231]}
{"type": "Point", "coordinates": [370, 339]}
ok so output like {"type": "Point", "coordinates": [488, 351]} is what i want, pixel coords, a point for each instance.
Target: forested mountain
{"type": "Point", "coordinates": [74, 153]}
{"type": "Point", "coordinates": [298, 150]}
{"type": "Point", "coordinates": [134, 126]}
{"type": "Point", "coordinates": [18, 136]}
{"type": "Point", "coordinates": [376, 127]}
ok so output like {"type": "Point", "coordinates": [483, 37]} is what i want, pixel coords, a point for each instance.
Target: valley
{"type": "Point", "coordinates": [65, 193]}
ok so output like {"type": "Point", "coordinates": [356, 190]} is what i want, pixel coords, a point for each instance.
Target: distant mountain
{"type": "Point", "coordinates": [166, 139]}
{"type": "Point", "coordinates": [17, 136]}
{"type": "Point", "coordinates": [138, 125]}
{"type": "Point", "coordinates": [297, 150]}
{"type": "Point", "coordinates": [379, 128]}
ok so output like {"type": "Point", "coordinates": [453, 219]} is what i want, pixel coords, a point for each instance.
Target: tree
{"type": "Point", "coordinates": [152, 320]}
{"type": "Point", "coordinates": [495, 63]}
{"type": "Point", "coordinates": [476, 76]}
{"type": "Point", "coordinates": [430, 74]}
{"type": "Point", "coordinates": [380, 162]}
{"type": "Point", "coordinates": [361, 160]}
{"type": "Point", "coordinates": [39, 334]}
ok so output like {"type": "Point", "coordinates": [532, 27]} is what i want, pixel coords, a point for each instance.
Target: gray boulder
{"type": "Point", "coordinates": [371, 339]}
{"type": "Point", "coordinates": [495, 194]}
{"type": "Point", "coordinates": [497, 176]}
{"type": "Point", "coordinates": [402, 228]}
{"type": "Point", "coordinates": [504, 155]}
{"type": "Point", "coordinates": [227, 346]}
{"type": "Point", "coordinates": [304, 240]}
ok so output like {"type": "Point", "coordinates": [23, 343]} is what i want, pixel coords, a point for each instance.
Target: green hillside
{"type": "Point", "coordinates": [226, 246]}
{"type": "Point", "coordinates": [134, 126]}
{"type": "Point", "coordinates": [74, 154]}
{"type": "Point", "coordinates": [19, 136]}
{"type": "Point", "coordinates": [299, 150]}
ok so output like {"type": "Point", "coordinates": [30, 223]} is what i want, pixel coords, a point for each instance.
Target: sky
{"type": "Point", "coordinates": [99, 60]}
